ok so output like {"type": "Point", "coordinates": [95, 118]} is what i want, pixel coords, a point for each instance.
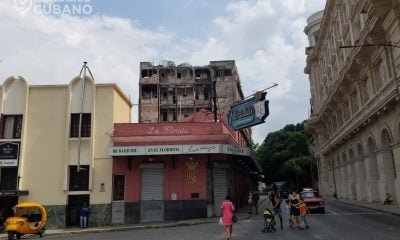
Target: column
{"type": "Point", "coordinates": [371, 182]}
{"type": "Point", "coordinates": [339, 181]}
{"type": "Point", "coordinates": [345, 181]}
{"type": "Point", "coordinates": [396, 158]}
{"type": "Point", "coordinates": [360, 179]}
{"type": "Point", "coordinates": [386, 172]}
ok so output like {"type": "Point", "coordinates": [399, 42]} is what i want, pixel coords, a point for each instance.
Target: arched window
{"type": "Point", "coordinates": [386, 140]}
{"type": "Point", "coordinates": [351, 154]}
{"type": "Point", "coordinates": [371, 146]}
{"type": "Point", "coordinates": [344, 158]}
{"type": "Point", "coordinates": [360, 150]}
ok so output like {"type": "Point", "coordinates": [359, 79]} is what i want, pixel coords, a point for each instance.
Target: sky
{"type": "Point", "coordinates": [47, 41]}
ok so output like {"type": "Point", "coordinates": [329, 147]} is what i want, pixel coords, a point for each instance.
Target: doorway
{"type": "Point", "coordinates": [74, 205]}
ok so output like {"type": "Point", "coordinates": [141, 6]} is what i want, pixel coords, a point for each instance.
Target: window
{"type": "Point", "coordinates": [346, 112]}
{"type": "Point", "coordinates": [219, 72]}
{"type": "Point", "coordinates": [179, 75]}
{"type": "Point", "coordinates": [365, 90]}
{"type": "Point", "coordinates": [228, 72]}
{"type": "Point", "coordinates": [11, 126]}
{"type": "Point", "coordinates": [380, 74]}
{"type": "Point", "coordinates": [118, 187]}
{"type": "Point", "coordinates": [206, 95]}
{"type": "Point", "coordinates": [79, 181]}
{"type": "Point", "coordinates": [354, 101]}
{"type": "Point", "coordinates": [85, 125]}
{"type": "Point", "coordinates": [165, 116]}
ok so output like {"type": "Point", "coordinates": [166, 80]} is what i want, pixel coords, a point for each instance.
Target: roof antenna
{"type": "Point", "coordinates": [82, 75]}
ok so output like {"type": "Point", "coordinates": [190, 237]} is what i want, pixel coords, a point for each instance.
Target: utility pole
{"type": "Point", "coordinates": [214, 96]}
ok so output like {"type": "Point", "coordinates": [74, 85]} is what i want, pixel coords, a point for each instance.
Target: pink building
{"type": "Point", "coordinates": [175, 171]}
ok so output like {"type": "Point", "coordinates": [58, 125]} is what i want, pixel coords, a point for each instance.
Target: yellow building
{"type": "Point", "coordinates": [46, 157]}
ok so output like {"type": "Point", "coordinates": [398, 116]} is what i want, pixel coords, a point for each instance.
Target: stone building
{"type": "Point", "coordinates": [353, 63]}
{"type": "Point", "coordinates": [46, 158]}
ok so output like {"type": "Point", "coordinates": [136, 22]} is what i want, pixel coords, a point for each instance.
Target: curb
{"type": "Point", "coordinates": [397, 214]}
{"type": "Point", "coordinates": [122, 228]}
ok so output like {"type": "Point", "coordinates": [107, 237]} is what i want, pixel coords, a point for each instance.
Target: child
{"type": "Point", "coordinates": [269, 221]}
{"type": "Point", "coordinates": [303, 212]}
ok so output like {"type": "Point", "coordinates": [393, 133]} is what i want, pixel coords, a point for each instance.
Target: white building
{"type": "Point", "coordinates": [355, 117]}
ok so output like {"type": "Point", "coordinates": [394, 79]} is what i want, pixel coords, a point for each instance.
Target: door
{"type": "Point", "coordinates": [151, 192]}
{"type": "Point", "coordinates": [118, 204]}
{"type": "Point", "coordinates": [75, 203]}
{"type": "Point", "coordinates": [220, 188]}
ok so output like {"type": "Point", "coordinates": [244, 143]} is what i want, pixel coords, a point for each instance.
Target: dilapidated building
{"type": "Point", "coordinates": [169, 93]}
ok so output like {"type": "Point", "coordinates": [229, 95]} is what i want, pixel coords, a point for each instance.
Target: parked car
{"type": "Point", "coordinates": [314, 202]}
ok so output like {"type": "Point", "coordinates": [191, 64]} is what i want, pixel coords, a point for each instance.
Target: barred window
{"type": "Point", "coordinates": [79, 180]}
{"type": "Point", "coordinates": [118, 187]}
{"type": "Point", "coordinates": [11, 126]}
{"type": "Point", "coordinates": [85, 125]}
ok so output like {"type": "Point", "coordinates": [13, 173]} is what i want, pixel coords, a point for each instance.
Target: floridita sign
{"type": "Point", "coordinates": [248, 113]}
{"type": "Point", "coordinates": [177, 149]}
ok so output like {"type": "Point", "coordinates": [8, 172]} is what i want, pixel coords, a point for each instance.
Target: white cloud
{"type": "Point", "coordinates": [267, 40]}
{"type": "Point", "coordinates": [265, 37]}
{"type": "Point", "coordinates": [50, 50]}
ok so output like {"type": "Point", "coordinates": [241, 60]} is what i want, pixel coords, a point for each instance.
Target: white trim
{"type": "Point", "coordinates": [177, 149]}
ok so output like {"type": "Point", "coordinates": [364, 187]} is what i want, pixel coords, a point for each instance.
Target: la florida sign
{"type": "Point", "coordinates": [248, 113]}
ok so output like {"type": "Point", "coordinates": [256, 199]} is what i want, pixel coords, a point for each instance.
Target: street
{"type": "Point", "coordinates": [340, 221]}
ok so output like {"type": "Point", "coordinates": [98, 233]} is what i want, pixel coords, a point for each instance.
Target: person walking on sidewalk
{"type": "Point", "coordinates": [250, 202]}
{"type": "Point", "coordinates": [277, 207]}
{"type": "Point", "coordinates": [255, 197]}
{"type": "Point", "coordinates": [227, 210]}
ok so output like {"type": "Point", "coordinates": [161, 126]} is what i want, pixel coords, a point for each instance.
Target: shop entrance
{"type": "Point", "coordinates": [151, 192]}
{"type": "Point", "coordinates": [6, 204]}
{"type": "Point", "coordinates": [75, 203]}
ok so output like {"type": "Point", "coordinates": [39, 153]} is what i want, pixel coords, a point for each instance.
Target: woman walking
{"type": "Point", "coordinates": [227, 210]}
{"type": "Point", "coordinates": [294, 210]}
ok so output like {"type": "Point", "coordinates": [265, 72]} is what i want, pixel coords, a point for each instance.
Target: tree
{"type": "Point", "coordinates": [284, 156]}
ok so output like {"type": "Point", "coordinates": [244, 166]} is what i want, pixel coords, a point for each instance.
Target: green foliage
{"type": "Point", "coordinates": [284, 156]}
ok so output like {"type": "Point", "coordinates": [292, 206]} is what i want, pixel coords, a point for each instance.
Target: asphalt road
{"type": "Point", "coordinates": [340, 222]}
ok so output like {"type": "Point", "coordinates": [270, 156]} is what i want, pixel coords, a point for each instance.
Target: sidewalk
{"type": "Point", "coordinates": [393, 209]}
{"type": "Point", "coordinates": [240, 213]}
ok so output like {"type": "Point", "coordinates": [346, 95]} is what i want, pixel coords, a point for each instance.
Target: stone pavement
{"type": "Point", "coordinates": [240, 213]}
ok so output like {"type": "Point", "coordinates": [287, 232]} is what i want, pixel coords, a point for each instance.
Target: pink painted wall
{"type": "Point", "coordinates": [175, 176]}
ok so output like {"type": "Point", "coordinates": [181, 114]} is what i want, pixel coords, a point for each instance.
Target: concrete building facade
{"type": "Point", "coordinates": [169, 93]}
{"type": "Point", "coordinates": [176, 171]}
{"type": "Point", "coordinates": [353, 66]}
{"type": "Point", "coordinates": [45, 156]}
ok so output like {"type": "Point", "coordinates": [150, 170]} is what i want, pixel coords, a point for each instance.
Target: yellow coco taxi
{"type": "Point", "coordinates": [29, 218]}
